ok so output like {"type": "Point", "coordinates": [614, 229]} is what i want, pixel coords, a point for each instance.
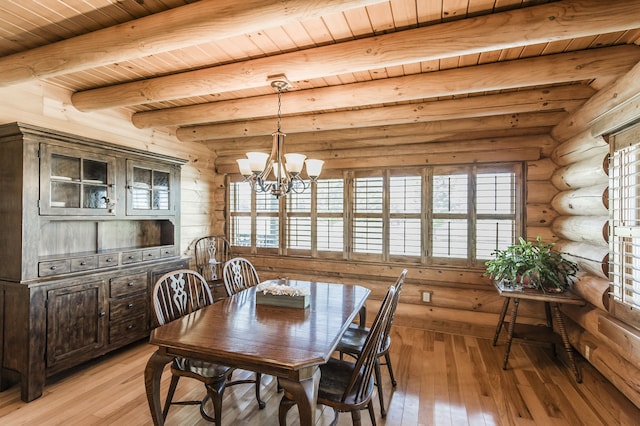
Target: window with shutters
{"type": "Point", "coordinates": [454, 215]}
{"type": "Point", "coordinates": [624, 223]}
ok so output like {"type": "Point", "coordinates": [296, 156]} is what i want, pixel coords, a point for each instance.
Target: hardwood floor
{"type": "Point", "coordinates": [443, 379]}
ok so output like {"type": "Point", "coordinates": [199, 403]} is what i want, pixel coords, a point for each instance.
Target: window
{"type": "Point", "coordinates": [624, 205]}
{"type": "Point", "coordinates": [330, 215]}
{"type": "Point", "coordinates": [427, 215]}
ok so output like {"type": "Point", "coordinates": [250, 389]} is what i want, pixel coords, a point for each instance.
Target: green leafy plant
{"type": "Point", "coordinates": [532, 264]}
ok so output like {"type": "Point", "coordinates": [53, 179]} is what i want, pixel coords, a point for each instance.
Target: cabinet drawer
{"type": "Point", "coordinates": [131, 257]}
{"type": "Point", "coordinates": [129, 284]}
{"type": "Point", "coordinates": [167, 251]}
{"type": "Point", "coordinates": [120, 309]}
{"type": "Point", "coordinates": [129, 330]}
{"type": "Point", "coordinates": [53, 267]}
{"type": "Point", "coordinates": [106, 260]}
{"type": "Point", "coordinates": [84, 263]}
{"type": "Point", "coordinates": [151, 254]}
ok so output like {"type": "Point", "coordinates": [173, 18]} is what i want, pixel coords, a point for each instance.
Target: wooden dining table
{"type": "Point", "coordinates": [290, 343]}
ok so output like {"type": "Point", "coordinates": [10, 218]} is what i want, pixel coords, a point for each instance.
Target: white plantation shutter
{"type": "Point", "coordinates": [267, 220]}
{"type": "Point", "coordinates": [450, 215]}
{"type": "Point", "coordinates": [367, 218]}
{"type": "Point", "coordinates": [405, 225]}
{"type": "Point", "coordinates": [330, 214]}
{"type": "Point", "coordinates": [624, 207]}
{"type": "Point", "coordinates": [299, 220]}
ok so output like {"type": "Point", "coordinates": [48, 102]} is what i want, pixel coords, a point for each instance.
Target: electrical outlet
{"type": "Point", "coordinates": [426, 296]}
{"type": "Point", "coordinates": [587, 351]}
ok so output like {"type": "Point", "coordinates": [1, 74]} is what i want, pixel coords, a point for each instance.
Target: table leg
{"type": "Point", "coordinates": [152, 376]}
{"type": "Point", "coordinates": [363, 316]}
{"type": "Point", "coordinates": [565, 341]}
{"type": "Point", "coordinates": [512, 325]}
{"type": "Point", "coordinates": [547, 312]}
{"type": "Point", "coordinates": [304, 394]}
{"type": "Point", "coordinates": [505, 306]}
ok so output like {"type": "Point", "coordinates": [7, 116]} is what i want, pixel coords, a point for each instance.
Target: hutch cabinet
{"type": "Point", "coordinates": [87, 227]}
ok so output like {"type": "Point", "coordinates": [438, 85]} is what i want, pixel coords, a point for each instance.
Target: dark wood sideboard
{"type": "Point", "coordinates": [86, 228]}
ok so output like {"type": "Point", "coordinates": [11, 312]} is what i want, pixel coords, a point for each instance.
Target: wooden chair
{"type": "Point", "coordinates": [348, 386]}
{"type": "Point", "coordinates": [176, 294]}
{"type": "Point", "coordinates": [239, 274]}
{"type": "Point", "coordinates": [353, 340]}
{"type": "Point", "coordinates": [211, 253]}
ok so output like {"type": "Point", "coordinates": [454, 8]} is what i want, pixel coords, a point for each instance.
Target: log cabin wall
{"type": "Point", "coordinates": [41, 104]}
{"type": "Point", "coordinates": [609, 344]}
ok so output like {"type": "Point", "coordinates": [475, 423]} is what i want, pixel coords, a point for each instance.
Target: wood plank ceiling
{"type": "Point", "coordinates": [364, 72]}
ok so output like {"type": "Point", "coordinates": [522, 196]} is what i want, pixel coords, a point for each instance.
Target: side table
{"type": "Point", "coordinates": [552, 311]}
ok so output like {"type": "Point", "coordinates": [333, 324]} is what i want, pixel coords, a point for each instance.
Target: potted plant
{"type": "Point", "coordinates": [532, 264]}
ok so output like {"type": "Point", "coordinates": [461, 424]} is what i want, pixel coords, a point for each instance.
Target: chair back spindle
{"type": "Point", "coordinates": [179, 293]}
{"type": "Point", "coordinates": [211, 253]}
{"type": "Point", "coordinates": [239, 274]}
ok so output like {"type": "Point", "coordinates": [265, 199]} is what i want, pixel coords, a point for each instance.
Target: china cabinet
{"type": "Point", "coordinates": [87, 226]}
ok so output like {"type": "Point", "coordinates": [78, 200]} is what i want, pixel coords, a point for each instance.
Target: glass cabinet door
{"type": "Point", "coordinates": [149, 187]}
{"type": "Point", "coordinates": [76, 182]}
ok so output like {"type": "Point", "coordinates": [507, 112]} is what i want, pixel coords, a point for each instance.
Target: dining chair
{"type": "Point", "coordinates": [211, 253]}
{"type": "Point", "coordinates": [347, 386]}
{"type": "Point", "coordinates": [176, 294]}
{"type": "Point", "coordinates": [239, 274]}
{"type": "Point", "coordinates": [353, 340]}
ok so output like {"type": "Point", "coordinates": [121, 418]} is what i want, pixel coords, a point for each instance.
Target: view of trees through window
{"type": "Point", "coordinates": [444, 215]}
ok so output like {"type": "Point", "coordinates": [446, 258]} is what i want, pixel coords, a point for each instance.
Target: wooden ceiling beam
{"type": "Point", "coordinates": [550, 69]}
{"type": "Point", "coordinates": [392, 135]}
{"type": "Point", "coordinates": [537, 24]}
{"type": "Point", "coordinates": [480, 106]}
{"type": "Point", "coordinates": [189, 25]}
{"type": "Point", "coordinates": [607, 101]}
{"type": "Point", "coordinates": [540, 141]}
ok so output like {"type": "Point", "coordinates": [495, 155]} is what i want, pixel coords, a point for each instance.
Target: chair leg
{"type": "Point", "coordinates": [371, 413]}
{"type": "Point", "coordinates": [387, 359]}
{"type": "Point", "coordinates": [356, 418]}
{"type": "Point", "coordinates": [383, 411]}
{"type": "Point", "coordinates": [172, 389]}
{"type": "Point", "coordinates": [261, 403]}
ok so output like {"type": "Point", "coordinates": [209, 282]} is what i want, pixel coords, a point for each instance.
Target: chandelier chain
{"type": "Point", "coordinates": [279, 107]}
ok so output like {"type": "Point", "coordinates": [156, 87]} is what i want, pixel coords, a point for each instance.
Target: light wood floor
{"type": "Point", "coordinates": [443, 379]}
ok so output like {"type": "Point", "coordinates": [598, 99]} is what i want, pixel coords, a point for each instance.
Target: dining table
{"type": "Point", "coordinates": [287, 342]}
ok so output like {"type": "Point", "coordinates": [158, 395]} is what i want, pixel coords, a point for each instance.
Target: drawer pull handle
{"type": "Point", "coordinates": [130, 305]}
{"type": "Point", "coordinates": [101, 314]}
{"type": "Point", "coordinates": [129, 327]}
{"type": "Point", "coordinates": [130, 284]}
{"type": "Point", "coordinates": [83, 263]}
{"type": "Point", "coordinates": [130, 257]}
{"type": "Point", "coordinates": [109, 259]}
{"type": "Point", "coordinates": [149, 254]}
{"type": "Point", "coordinates": [53, 268]}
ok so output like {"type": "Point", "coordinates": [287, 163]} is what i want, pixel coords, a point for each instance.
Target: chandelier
{"type": "Point", "coordinates": [286, 168]}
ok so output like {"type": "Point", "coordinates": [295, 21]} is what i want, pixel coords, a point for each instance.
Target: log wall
{"type": "Point", "coordinates": [50, 107]}
{"type": "Point", "coordinates": [611, 345]}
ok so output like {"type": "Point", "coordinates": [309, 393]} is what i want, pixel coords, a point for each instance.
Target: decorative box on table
{"type": "Point", "coordinates": [274, 294]}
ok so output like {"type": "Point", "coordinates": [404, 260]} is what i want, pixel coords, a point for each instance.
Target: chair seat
{"type": "Point", "coordinates": [200, 370]}
{"type": "Point", "coordinates": [354, 338]}
{"type": "Point", "coordinates": [336, 376]}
